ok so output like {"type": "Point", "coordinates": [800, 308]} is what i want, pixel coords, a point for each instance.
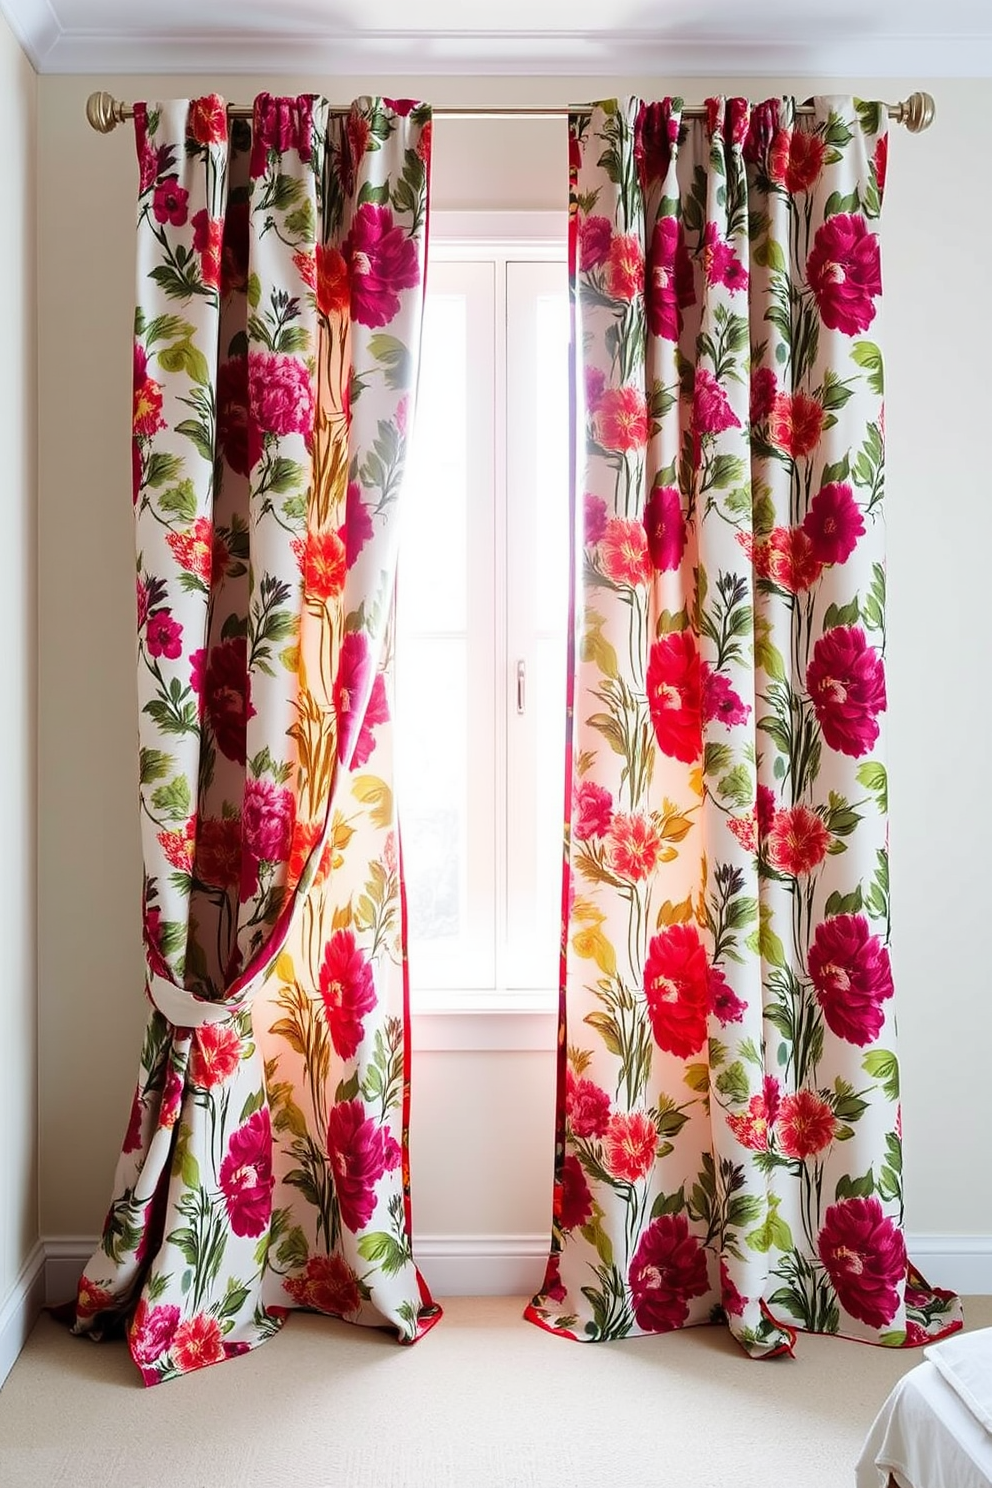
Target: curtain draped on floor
{"type": "Point", "coordinates": [729, 1131]}
{"type": "Point", "coordinates": [280, 286]}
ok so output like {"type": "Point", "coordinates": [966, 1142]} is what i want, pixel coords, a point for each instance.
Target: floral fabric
{"type": "Point", "coordinates": [729, 1135]}
{"type": "Point", "coordinates": [280, 281]}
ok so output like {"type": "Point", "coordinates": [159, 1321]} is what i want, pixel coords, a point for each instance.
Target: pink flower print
{"type": "Point", "coordinates": [630, 1144]}
{"type": "Point", "coordinates": [595, 382]}
{"type": "Point", "coordinates": [764, 390]}
{"type": "Point", "coordinates": [280, 393]}
{"type": "Point", "coordinates": [833, 523]}
{"type": "Point", "coordinates": [632, 846]}
{"type": "Point", "coordinates": [844, 272]}
{"type": "Point", "coordinates": [207, 239]}
{"type": "Point", "coordinates": [620, 420]}
{"type": "Point", "coordinates": [623, 552]}
{"type": "Point", "coordinates": [193, 549]}
{"type": "Point", "coordinates": [594, 517]}
{"type": "Point", "coordinates": [357, 530]}
{"type": "Point", "coordinates": [279, 125]}
{"type": "Point", "coordinates": [845, 680]}
{"type": "Point", "coordinates": [806, 1125]}
{"type": "Point", "coordinates": [382, 260]}
{"type": "Point", "coordinates": [623, 274]}
{"type": "Point", "coordinates": [169, 204]}
{"type": "Point", "coordinates": [225, 687]}
{"type": "Point", "coordinates": [355, 725]}
{"type": "Point", "coordinates": [712, 412]}
{"type": "Point", "coordinates": [798, 841]}
{"type": "Point", "coordinates": [864, 1254]}
{"type": "Point", "coordinates": [267, 814]}
{"type": "Point", "coordinates": [595, 235]}
{"type": "Point", "coordinates": [587, 1107]}
{"type": "Point", "coordinates": [750, 1126]}
{"type": "Point", "coordinates": [664, 523]}
{"type": "Point", "coordinates": [347, 988]}
{"type": "Point", "coordinates": [789, 559]}
{"type": "Point", "coordinates": [674, 687]}
{"type": "Point", "coordinates": [720, 701]}
{"type": "Point", "coordinates": [721, 261]}
{"type": "Point", "coordinates": [669, 286]}
{"type": "Point", "coordinates": [151, 1331]}
{"type": "Point", "coordinates": [216, 1054]}
{"type": "Point", "coordinates": [724, 1002]}
{"type": "Point", "coordinates": [163, 635]}
{"type": "Point", "coordinates": [246, 1175]}
{"type": "Point", "coordinates": [852, 975]}
{"type": "Point", "coordinates": [572, 1199]}
{"type": "Point", "coordinates": [358, 1156]}
{"type": "Point", "coordinates": [592, 810]}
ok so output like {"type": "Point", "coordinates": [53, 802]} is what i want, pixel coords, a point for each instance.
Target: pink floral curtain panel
{"type": "Point", "coordinates": [729, 1124]}
{"type": "Point", "coordinates": [280, 282]}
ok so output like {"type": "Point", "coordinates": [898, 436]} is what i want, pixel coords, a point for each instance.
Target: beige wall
{"type": "Point", "coordinates": [18, 497]}
{"type": "Point", "coordinates": [482, 1120]}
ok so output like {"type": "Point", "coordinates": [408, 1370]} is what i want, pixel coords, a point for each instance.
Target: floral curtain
{"type": "Point", "coordinates": [729, 1137]}
{"type": "Point", "coordinates": [280, 283]}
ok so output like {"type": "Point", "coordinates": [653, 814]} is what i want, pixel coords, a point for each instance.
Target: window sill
{"type": "Point", "coordinates": [484, 1021]}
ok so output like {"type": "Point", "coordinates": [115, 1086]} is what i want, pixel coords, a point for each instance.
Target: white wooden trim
{"type": "Point", "coordinates": [21, 1308]}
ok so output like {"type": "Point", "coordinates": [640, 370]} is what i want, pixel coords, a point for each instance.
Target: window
{"type": "Point", "coordinates": [482, 618]}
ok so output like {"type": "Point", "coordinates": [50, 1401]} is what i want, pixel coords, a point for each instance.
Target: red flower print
{"type": "Point", "coordinates": [620, 421]}
{"type": "Point", "coordinates": [720, 701]}
{"type": "Point", "coordinates": [218, 851]}
{"type": "Point", "coordinates": [656, 130]}
{"type": "Point", "coordinates": [674, 685]}
{"type": "Point", "coordinates": [764, 390]}
{"type": "Point", "coordinates": [333, 286]}
{"type": "Point", "coordinates": [798, 841]}
{"type": "Point", "coordinates": [844, 272]}
{"type": "Point", "coordinates": [358, 1154]}
{"type": "Point", "coordinates": [665, 526]}
{"type": "Point", "coordinates": [750, 1127]}
{"type": "Point", "coordinates": [623, 273]}
{"type": "Point", "coordinates": [226, 691]}
{"type": "Point", "coordinates": [677, 989]}
{"type": "Point", "coordinates": [324, 566]}
{"type": "Point", "coordinates": [267, 820]}
{"type": "Point", "coordinates": [796, 158]}
{"type": "Point", "coordinates": [381, 261]}
{"type": "Point", "coordinates": [238, 436]}
{"type": "Point", "coordinates": [724, 1002]}
{"type": "Point", "coordinates": [197, 1343]}
{"type": "Point", "coordinates": [845, 680]}
{"type": "Point", "coordinates": [328, 1285]}
{"type": "Point", "coordinates": [765, 810]}
{"type": "Point", "coordinates": [586, 1106]}
{"type": "Point", "coordinates": [280, 124]}
{"type": "Point", "coordinates": [178, 846]}
{"type": "Point", "coordinates": [668, 1268]}
{"type": "Point", "coordinates": [215, 1056]}
{"type": "Point", "coordinates": [348, 990]}
{"type": "Point", "coordinates": [207, 238]}
{"type": "Point", "coordinates": [632, 845]}
{"type": "Point", "coordinates": [92, 1299]}
{"type": "Point", "coordinates": [280, 393]}
{"type": "Point", "coordinates": [865, 1257]}
{"type": "Point", "coordinates": [147, 155]}
{"type": "Point", "coordinates": [573, 1201]}
{"type": "Point", "coordinates": [246, 1175]}
{"type": "Point", "coordinates": [852, 974]}
{"type": "Point", "coordinates": [208, 120]}
{"type": "Point", "coordinates": [630, 1144]}
{"type": "Point", "coordinates": [593, 517]}
{"type": "Point", "coordinates": [152, 934]}
{"type": "Point", "coordinates": [772, 1096]}
{"type": "Point", "coordinates": [355, 725]}
{"type": "Point", "coordinates": [357, 528]}
{"type": "Point", "coordinates": [592, 810]}
{"type": "Point", "coordinates": [595, 236]}
{"type": "Point", "coordinates": [833, 523]}
{"type": "Point", "coordinates": [880, 161]}
{"type": "Point", "coordinates": [169, 204]}
{"type": "Point", "coordinates": [147, 412]}
{"type": "Point", "coordinates": [721, 262]}
{"type": "Point", "coordinates": [554, 1288]}
{"type": "Point", "coordinates": [163, 635]}
{"type": "Point", "coordinates": [172, 1098]}
{"type": "Point", "coordinates": [789, 559]}
{"type": "Point", "coordinates": [623, 552]}
{"type": "Point", "coordinates": [194, 549]}
{"type": "Point", "coordinates": [234, 250]}
{"type": "Point", "coordinates": [669, 287]}
{"type": "Point", "coordinates": [426, 141]}
{"type": "Point", "coordinates": [358, 132]}
{"type": "Point", "coordinates": [806, 1125]}
{"type": "Point", "coordinates": [711, 412]}
{"type": "Point", "coordinates": [132, 1137]}
{"type": "Point", "coordinates": [733, 1302]}
{"type": "Point", "coordinates": [306, 267]}
{"type": "Point", "coordinates": [796, 423]}
{"type": "Point", "coordinates": [745, 830]}
{"type": "Point", "coordinates": [306, 835]}
{"type": "Point", "coordinates": [151, 1331]}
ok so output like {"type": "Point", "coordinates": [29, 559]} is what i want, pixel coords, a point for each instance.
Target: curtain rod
{"type": "Point", "coordinates": [105, 112]}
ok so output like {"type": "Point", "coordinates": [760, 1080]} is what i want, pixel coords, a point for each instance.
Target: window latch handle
{"type": "Point", "coordinates": [521, 687]}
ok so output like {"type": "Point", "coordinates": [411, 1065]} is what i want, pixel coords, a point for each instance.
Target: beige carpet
{"type": "Point", "coordinates": [483, 1401]}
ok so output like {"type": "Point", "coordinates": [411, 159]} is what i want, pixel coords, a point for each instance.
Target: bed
{"type": "Point", "coordinates": [935, 1428]}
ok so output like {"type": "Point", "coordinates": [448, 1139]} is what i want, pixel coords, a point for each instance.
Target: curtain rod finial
{"type": "Point", "coordinates": [103, 112]}
{"type": "Point", "coordinates": [918, 112]}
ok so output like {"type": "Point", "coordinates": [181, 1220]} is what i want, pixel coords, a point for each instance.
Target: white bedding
{"type": "Point", "coordinates": [925, 1435]}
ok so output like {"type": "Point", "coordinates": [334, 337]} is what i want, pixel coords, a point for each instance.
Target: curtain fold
{"type": "Point", "coordinates": [280, 288]}
{"type": "Point", "coordinates": [729, 1137]}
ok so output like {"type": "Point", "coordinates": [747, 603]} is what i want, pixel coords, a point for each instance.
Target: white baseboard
{"type": "Point", "coordinates": [453, 1266]}
{"type": "Point", "coordinates": [21, 1308]}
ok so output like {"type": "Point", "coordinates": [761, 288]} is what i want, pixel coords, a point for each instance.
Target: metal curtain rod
{"type": "Point", "coordinates": [105, 112]}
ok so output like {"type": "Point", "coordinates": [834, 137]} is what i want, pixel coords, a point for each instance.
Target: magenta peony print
{"type": "Point", "coordinates": [587, 1106]}
{"type": "Point", "coordinates": [169, 203]}
{"type": "Point", "coordinates": [151, 1331]}
{"type": "Point", "coordinates": [711, 410]}
{"type": "Point", "coordinates": [592, 810]}
{"type": "Point", "coordinates": [163, 635]}
{"type": "Point", "coordinates": [668, 1269]}
{"type": "Point", "coordinates": [360, 1151]}
{"type": "Point", "coordinates": [664, 524]}
{"type": "Point", "coordinates": [864, 1254]}
{"type": "Point", "coordinates": [834, 523]}
{"type": "Point", "coordinates": [669, 282]}
{"type": "Point", "coordinates": [267, 812]}
{"type": "Point", "coordinates": [676, 989]}
{"type": "Point", "coordinates": [674, 687]}
{"type": "Point", "coordinates": [347, 988]}
{"type": "Point", "coordinates": [852, 975]}
{"type": "Point", "coordinates": [720, 701]}
{"type": "Point", "coordinates": [246, 1175]}
{"type": "Point", "coordinates": [843, 271]}
{"type": "Point", "coordinates": [573, 1200]}
{"type": "Point", "coordinates": [382, 260]}
{"type": "Point", "coordinates": [280, 394]}
{"type": "Point", "coordinates": [845, 680]}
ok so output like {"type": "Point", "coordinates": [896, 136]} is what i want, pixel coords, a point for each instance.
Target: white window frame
{"type": "Point", "coordinates": [500, 1018]}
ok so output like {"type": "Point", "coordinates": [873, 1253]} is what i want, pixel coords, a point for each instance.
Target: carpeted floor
{"type": "Point", "coordinates": [483, 1401]}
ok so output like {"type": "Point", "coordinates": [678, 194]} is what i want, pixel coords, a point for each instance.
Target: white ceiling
{"type": "Point", "coordinates": [873, 38]}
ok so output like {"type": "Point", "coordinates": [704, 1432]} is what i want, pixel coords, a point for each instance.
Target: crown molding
{"type": "Point", "coordinates": [54, 48]}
